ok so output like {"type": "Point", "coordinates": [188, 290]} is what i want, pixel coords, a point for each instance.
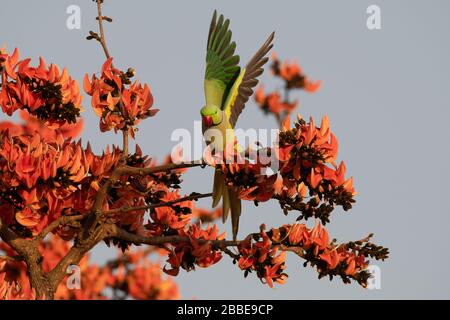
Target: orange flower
{"type": "Point", "coordinates": [272, 103]}
{"type": "Point", "coordinates": [293, 75]}
{"type": "Point", "coordinates": [332, 258]}
{"type": "Point", "coordinates": [312, 86]}
{"type": "Point", "coordinates": [146, 282]}
{"type": "Point", "coordinates": [169, 216]}
{"type": "Point", "coordinates": [46, 93]}
{"type": "Point", "coordinates": [298, 233]}
{"type": "Point", "coordinates": [51, 169]}
{"type": "Point", "coordinates": [28, 217]}
{"type": "Point", "coordinates": [207, 215]}
{"type": "Point", "coordinates": [314, 179]}
{"type": "Point", "coordinates": [289, 70]}
{"type": "Point", "coordinates": [319, 236]}
{"type": "Point", "coordinates": [350, 270]}
{"type": "Point", "coordinates": [271, 272]}
{"type": "Point", "coordinates": [203, 252]}
{"type": "Point", "coordinates": [120, 106]}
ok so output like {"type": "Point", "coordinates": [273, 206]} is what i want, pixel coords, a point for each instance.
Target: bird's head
{"type": "Point", "coordinates": [211, 115]}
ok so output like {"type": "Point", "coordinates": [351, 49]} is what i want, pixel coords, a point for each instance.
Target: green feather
{"type": "Point", "coordinates": [222, 66]}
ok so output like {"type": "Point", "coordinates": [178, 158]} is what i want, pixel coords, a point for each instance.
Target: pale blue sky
{"type": "Point", "coordinates": [385, 91]}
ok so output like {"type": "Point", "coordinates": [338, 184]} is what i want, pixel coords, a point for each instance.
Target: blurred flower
{"type": "Point", "coordinates": [272, 103]}
{"type": "Point", "coordinates": [293, 75]}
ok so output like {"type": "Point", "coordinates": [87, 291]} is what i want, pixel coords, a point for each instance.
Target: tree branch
{"type": "Point", "coordinates": [118, 171]}
{"type": "Point", "coordinates": [73, 257]}
{"type": "Point", "coordinates": [161, 168]}
{"type": "Point", "coordinates": [193, 196]}
{"type": "Point", "coordinates": [28, 249]}
{"type": "Point", "coordinates": [14, 258]}
{"type": "Point", "coordinates": [13, 240]}
{"type": "Point", "coordinates": [55, 224]}
{"type": "Point", "coordinates": [102, 41]}
{"type": "Point", "coordinates": [92, 234]}
{"type": "Point", "coordinates": [100, 26]}
{"type": "Point", "coordinates": [117, 232]}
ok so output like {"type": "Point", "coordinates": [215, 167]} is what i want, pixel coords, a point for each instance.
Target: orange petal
{"type": "Point", "coordinates": [286, 125]}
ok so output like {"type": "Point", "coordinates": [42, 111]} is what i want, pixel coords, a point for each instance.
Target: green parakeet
{"type": "Point", "coordinates": [227, 89]}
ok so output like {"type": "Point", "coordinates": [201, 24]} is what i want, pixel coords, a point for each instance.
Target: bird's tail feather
{"type": "Point", "coordinates": [230, 202]}
{"type": "Point", "coordinates": [235, 206]}
{"type": "Point", "coordinates": [217, 188]}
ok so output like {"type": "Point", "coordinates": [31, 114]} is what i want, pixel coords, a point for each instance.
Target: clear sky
{"type": "Point", "coordinates": [385, 92]}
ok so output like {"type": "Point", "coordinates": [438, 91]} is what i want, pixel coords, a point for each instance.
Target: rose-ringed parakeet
{"type": "Point", "coordinates": [227, 89]}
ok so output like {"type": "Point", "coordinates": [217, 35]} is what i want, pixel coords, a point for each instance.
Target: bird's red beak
{"type": "Point", "coordinates": [207, 121]}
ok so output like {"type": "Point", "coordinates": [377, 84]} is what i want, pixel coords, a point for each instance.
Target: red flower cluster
{"type": "Point", "coordinates": [348, 260]}
{"type": "Point", "coordinates": [42, 179]}
{"type": "Point", "coordinates": [168, 218]}
{"type": "Point", "coordinates": [246, 175]}
{"type": "Point", "coordinates": [306, 157]}
{"type": "Point", "coordinates": [306, 153]}
{"type": "Point", "coordinates": [119, 103]}
{"type": "Point", "coordinates": [258, 252]}
{"type": "Point", "coordinates": [262, 257]}
{"type": "Point", "coordinates": [47, 93]}
{"type": "Point", "coordinates": [199, 251]}
{"type": "Point", "coordinates": [31, 124]}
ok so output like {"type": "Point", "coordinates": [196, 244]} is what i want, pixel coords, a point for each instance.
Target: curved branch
{"type": "Point", "coordinates": [28, 250]}
{"type": "Point", "coordinates": [75, 254]}
{"type": "Point", "coordinates": [55, 224]}
{"type": "Point", "coordinates": [12, 239]}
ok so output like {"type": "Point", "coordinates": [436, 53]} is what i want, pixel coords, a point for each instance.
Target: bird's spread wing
{"type": "Point", "coordinates": [242, 88]}
{"type": "Point", "coordinates": [221, 63]}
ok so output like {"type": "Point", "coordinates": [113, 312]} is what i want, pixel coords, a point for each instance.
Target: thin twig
{"type": "Point", "coordinates": [161, 168]}
{"type": "Point", "coordinates": [100, 26]}
{"type": "Point", "coordinates": [230, 253]}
